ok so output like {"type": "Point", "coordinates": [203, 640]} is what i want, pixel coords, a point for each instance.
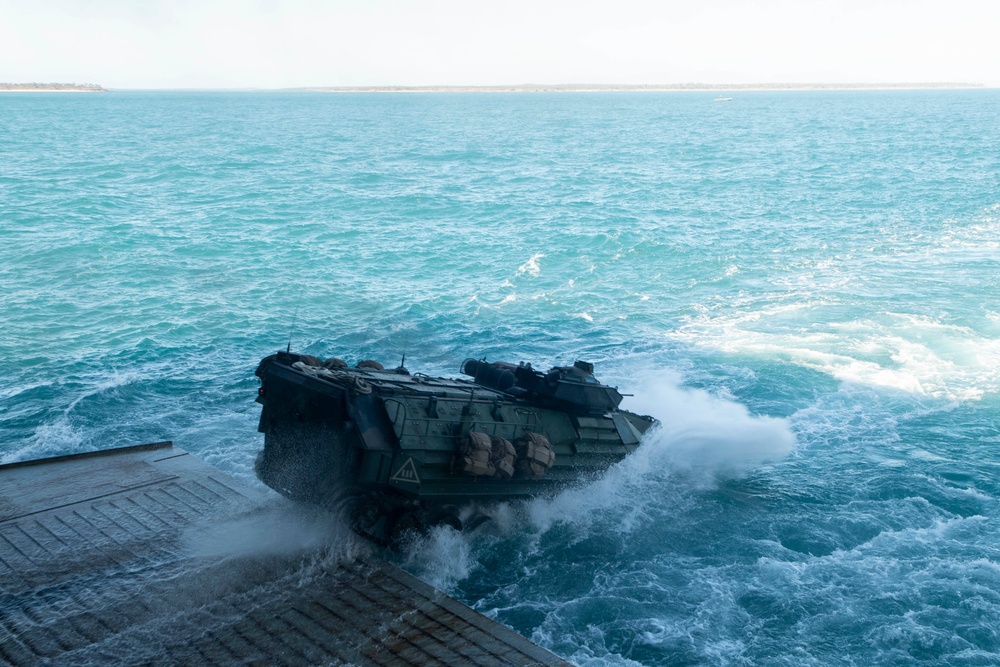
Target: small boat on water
{"type": "Point", "coordinates": [720, 98]}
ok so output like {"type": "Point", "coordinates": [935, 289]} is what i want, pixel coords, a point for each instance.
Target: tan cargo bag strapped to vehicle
{"type": "Point", "coordinates": [534, 455]}
{"type": "Point", "coordinates": [502, 457]}
{"type": "Point", "coordinates": [335, 364]}
{"type": "Point", "coordinates": [474, 458]}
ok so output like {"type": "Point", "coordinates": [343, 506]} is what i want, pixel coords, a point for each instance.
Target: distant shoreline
{"type": "Point", "coordinates": [585, 88]}
{"type": "Point", "coordinates": [51, 88]}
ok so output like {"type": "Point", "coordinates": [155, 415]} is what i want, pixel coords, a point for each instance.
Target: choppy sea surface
{"type": "Point", "coordinates": [802, 286]}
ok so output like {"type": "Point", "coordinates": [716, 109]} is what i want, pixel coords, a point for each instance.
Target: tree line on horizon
{"type": "Point", "coordinates": [92, 87]}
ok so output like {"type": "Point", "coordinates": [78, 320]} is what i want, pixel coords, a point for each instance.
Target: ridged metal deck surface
{"type": "Point", "coordinates": [99, 566]}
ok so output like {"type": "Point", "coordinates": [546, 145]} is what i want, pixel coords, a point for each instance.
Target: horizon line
{"type": "Point", "coordinates": [522, 87]}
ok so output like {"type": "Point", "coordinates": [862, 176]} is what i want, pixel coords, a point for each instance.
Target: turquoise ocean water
{"type": "Point", "coordinates": [802, 286]}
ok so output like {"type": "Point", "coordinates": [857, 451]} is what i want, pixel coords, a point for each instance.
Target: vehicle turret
{"type": "Point", "coordinates": [572, 388]}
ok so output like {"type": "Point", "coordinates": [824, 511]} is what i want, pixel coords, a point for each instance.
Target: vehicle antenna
{"type": "Point", "coordinates": [295, 317]}
{"type": "Point", "coordinates": [406, 343]}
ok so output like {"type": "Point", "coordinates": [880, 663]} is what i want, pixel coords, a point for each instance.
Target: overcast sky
{"type": "Point", "coordinates": [273, 44]}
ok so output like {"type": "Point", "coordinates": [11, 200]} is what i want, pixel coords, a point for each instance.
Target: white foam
{"type": "Point", "coordinates": [901, 351]}
{"type": "Point", "coordinates": [703, 437]}
{"type": "Point", "coordinates": [531, 266]}
{"type": "Point", "coordinates": [442, 558]}
{"type": "Point", "coordinates": [712, 434]}
{"type": "Point", "coordinates": [11, 391]}
{"type": "Point", "coordinates": [50, 439]}
{"type": "Point", "coordinates": [114, 379]}
{"type": "Point", "coordinates": [979, 236]}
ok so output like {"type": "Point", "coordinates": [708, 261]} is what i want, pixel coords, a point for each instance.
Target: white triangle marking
{"type": "Point", "coordinates": [406, 473]}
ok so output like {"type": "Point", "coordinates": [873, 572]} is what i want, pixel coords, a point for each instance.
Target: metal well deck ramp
{"type": "Point", "coordinates": [97, 568]}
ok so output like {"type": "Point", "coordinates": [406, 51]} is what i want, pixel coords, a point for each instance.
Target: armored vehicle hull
{"type": "Point", "coordinates": [403, 451]}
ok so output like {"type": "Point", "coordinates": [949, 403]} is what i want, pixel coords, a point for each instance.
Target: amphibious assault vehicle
{"type": "Point", "coordinates": [404, 451]}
